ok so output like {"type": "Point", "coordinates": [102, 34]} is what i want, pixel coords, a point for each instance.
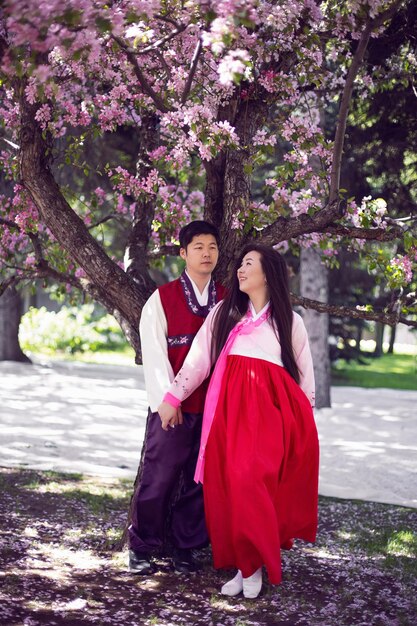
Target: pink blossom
{"type": "Point", "coordinates": [262, 138]}
{"type": "Point", "coordinates": [158, 153]}
{"type": "Point", "coordinates": [403, 268]}
{"type": "Point", "coordinates": [43, 115]}
{"type": "Point", "coordinates": [233, 66]}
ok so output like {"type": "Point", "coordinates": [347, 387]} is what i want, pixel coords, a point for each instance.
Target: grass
{"type": "Point", "coordinates": [60, 565]}
{"type": "Point", "coordinates": [123, 356]}
{"type": "Point", "coordinates": [392, 371]}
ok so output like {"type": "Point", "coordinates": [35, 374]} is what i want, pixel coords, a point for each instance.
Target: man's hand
{"type": "Point", "coordinates": [170, 416]}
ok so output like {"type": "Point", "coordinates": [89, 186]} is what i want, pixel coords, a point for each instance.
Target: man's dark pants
{"type": "Point", "coordinates": [166, 455]}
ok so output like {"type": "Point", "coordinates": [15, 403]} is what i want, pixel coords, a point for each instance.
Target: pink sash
{"type": "Point", "coordinates": [244, 327]}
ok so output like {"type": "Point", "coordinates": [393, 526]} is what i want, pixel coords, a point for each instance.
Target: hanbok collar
{"type": "Point", "coordinates": [189, 288]}
{"type": "Point", "coordinates": [256, 315]}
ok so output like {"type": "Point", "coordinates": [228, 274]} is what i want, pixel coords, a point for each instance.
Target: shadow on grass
{"type": "Point", "coordinates": [58, 566]}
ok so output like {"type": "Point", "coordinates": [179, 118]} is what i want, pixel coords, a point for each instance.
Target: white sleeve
{"type": "Point", "coordinates": [197, 365]}
{"type": "Point", "coordinates": [303, 357]}
{"type": "Point", "coordinates": [157, 369]}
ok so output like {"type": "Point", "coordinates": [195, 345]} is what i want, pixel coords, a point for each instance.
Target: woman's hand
{"type": "Point", "coordinates": [170, 416]}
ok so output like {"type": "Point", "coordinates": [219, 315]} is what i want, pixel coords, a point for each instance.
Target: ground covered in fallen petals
{"type": "Point", "coordinates": [59, 565]}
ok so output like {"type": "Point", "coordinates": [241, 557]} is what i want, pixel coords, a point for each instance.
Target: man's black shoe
{"type": "Point", "coordinates": [140, 563]}
{"type": "Point", "coordinates": [184, 562]}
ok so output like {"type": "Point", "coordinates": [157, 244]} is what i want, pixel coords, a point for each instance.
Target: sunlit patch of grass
{"type": "Point", "coordinates": [99, 496]}
{"type": "Point", "coordinates": [119, 560]}
{"type": "Point", "coordinates": [91, 485]}
{"type": "Point", "coordinates": [64, 559]}
{"type": "Point", "coordinates": [72, 535]}
{"type": "Point", "coordinates": [37, 605]}
{"type": "Point", "coordinates": [392, 371]}
{"type": "Point", "coordinates": [126, 484]}
{"type": "Point", "coordinates": [396, 547]}
{"type": "Point", "coordinates": [402, 543]}
{"type": "Point", "coordinates": [120, 356]}
{"type": "Point", "coordinates": [49, 481]}
{"type": "Point", "coordinates": [113, 535]}
{"type": "Point", "coordinates": [343, 534]}
{"type": "Point", "coordinates": [214, 600]}
{"type": "Point", "coordinates": [388, 541]}
{"type": "Point", "coordinates": [98, 503]}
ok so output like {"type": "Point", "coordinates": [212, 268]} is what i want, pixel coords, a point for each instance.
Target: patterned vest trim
{"type": "Point", "coordinates": [185, 316]}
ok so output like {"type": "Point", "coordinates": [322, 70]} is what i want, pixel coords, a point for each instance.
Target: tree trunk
{"type": "Point", "coordinates": [392, 339]}
{"type": "Point", "coordinates": [136, 261]}
{"type": "Point", "coordinates": [359, 331]}
{"type": "Point", "coordinates": [10, 316]}
{"type": "Point", "coordinates": [247, 117]}
{"type": "Point", "coordinates": [379, 339]}
{"type": "Point", "coordinates": [314, 284]}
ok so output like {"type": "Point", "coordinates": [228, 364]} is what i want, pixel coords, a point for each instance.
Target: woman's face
{"type": "Point", "coordinates": [250, 274]}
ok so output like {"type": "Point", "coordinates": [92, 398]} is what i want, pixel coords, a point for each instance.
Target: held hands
{"type": "Point", "coordinates": [170, 416]}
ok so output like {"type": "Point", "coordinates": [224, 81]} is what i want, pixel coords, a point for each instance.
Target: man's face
{"type": "Point", "coordinates": [201, 255]}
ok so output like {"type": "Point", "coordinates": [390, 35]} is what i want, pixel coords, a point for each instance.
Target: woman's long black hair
{"type": "Point", "coordinates": [236, 303]}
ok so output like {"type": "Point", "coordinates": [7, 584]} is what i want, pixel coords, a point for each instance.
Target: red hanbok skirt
{"type": "Point", "coordinates": [261, 467]}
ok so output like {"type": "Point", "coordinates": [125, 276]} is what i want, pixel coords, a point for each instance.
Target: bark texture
{"type": "Point", "coordinates": [231, 176]}
{"type": "Point", "coordinates": [314, 284]}
{"type": "Point", "coordinates": [379, 339]}
{"type": "Point", "coordinates": [136, 254]}
{"type": "Point", "coordinates": [10, 316]}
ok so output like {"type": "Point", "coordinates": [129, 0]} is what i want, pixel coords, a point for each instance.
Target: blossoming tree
{"type": "Point", "coordinates": [209, 86]}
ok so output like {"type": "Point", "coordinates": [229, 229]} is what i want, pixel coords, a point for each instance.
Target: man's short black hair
{"type": "Point", "coordinates": [195, 228]}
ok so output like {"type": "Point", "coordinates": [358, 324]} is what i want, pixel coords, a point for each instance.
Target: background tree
{"type": "Point", "coordinates": [208, 88]}
{"type": "Point", "coordinates": [380, 161]}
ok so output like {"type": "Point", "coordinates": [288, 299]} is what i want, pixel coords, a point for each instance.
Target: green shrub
{"type": "Point", "coordinates": [72, 330]}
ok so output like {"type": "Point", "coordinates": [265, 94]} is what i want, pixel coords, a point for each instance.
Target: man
{"type": "Point", "coordinates": [170, 320]}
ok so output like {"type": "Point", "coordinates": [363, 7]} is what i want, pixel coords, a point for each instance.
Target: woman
{"type": "Point", "coordinates": [259, 446]}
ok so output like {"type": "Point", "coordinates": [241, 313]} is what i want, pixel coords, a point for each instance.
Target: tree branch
{"type": "Point", "coordinates": [167, 250]}
{"type": "Point", "coordinates": [3, 47]}
{"type": "Point", "coordinates": [179, 28]}
{"type": "Point", "coordinates": [131, 56]}
{"type": "Point", "coordinates": [287, 228]}
{"type": "Point", "coordinates": [10, 143]}
{"type": "Point", "coordinates": [167, 19]}
{"type": "Point", "coordinates": [9, 223]}
{"type": "Point", "coordinates": [9, 282]}
{"type": "Point", "coordinates": [107, 218]}
{"type": "Point", "coordinates": [193, 68]}
{"type": "Point", "coordinates": [370, 234]}
{"type": "Point", "coordinates": [356, 313]}
{"type": "Point", "coordinates": [37, 248]}
{"type": "Point", "coordinates": [343, 113]}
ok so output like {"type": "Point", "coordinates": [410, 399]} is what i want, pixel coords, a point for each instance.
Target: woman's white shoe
{"type": "Point", "coordinates": [233, 587]}
{"type": "Point", "coordinates": [253, 584]}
